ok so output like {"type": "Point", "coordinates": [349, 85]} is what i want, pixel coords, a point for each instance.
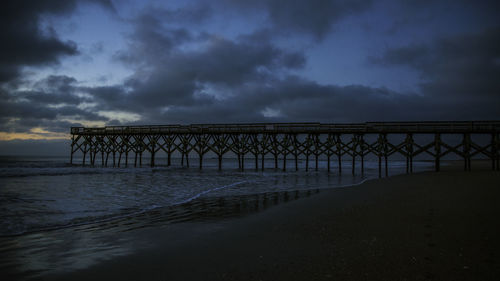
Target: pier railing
{"type": "Point", "coordinates": [279, 140]}
{"type": "Point", "coordinates": [369, 127]}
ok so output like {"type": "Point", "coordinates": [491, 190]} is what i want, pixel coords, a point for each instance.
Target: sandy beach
{"type": "Point", "coordinates": [428, 226]}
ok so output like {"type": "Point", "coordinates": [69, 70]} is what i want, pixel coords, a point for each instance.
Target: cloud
{"type": "Point", "coordinates": [301, 100]}
{"type": "Point", "coordinates": [414, 16]}
{"type": "Point", "coordinates": [247, 78]}
{"type": "Point", "coordinates": [314, 17]}
{"type": "Point", "coordinates": [28, 41]}
{"type": "Point", "coordinates": [167, 73]}
{"type": "Point", "coordinates": [190, 14]}
{"type": "Point", "coordinates": [46, 105]}
{"type": "Point", "coordinates": [25, 42]}
{"type": "Point", "coordinates": [464, 67]}
{"type": "Point", "coordinates": [183, 73]}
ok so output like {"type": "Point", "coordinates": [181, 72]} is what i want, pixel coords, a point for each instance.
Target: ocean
{"type": "Point", "coordinates": [45, 201]}
{"type": "Point", "coordinates": [45, 193]}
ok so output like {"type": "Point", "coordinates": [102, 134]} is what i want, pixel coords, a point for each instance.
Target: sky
{"type": "Point", "coordinates": [94, 63]}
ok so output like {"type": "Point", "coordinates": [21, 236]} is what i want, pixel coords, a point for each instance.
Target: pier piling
{"type": "Point", "coordinates": [301, 140]}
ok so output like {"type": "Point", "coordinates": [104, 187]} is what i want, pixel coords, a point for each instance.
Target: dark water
{"type": "Point", "coordinates": [57, 216]}
{"type": "Point", "coordinates": [39, 194]}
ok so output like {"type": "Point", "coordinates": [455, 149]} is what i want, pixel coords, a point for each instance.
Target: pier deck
{"type": "Point", "coordinates": [282, 140]}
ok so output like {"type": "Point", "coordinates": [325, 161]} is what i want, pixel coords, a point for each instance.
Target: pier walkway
{"type": "Point", "coordinates": [290, 140]}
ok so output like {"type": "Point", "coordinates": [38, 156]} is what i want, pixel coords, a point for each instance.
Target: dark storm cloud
{"type": "Point", "coordinates": [483, 5]}
{"type": "Point", "coordinates": [52, 90]}
{"type": "Point", "coordinates": [413, 15]}
{"type": "Point", "coordinates": [22, 110]}
{"type": "Point", "coordinates": [151, 42]}
{"type": "Point", "coordinates": [24, 42]}
{"type": "Point", "coordinates": [21, 116]}
{"type": "Point", "coordinates": [230, 63]}
{"type": "Point", "coordinates": [167, 74]}
{"type": "Point", "coordinates": [187, 15]}
{"type": "Point", "coordinates": [297, 100]}
{"type": "Point", "coordinates": [249, 79]}
{"type": "Point", "coordinates": [26, 124]}
{"type": "Point", "coordinates": [358, 103]}
{"type": "Point", "coordinates": [108, 95]}
{"type": "Point", "coordinates": [157, 31]}
{"type": "Point", "coordinates": [51, 99]}
{"type": "Point", "coordinates": [466, 66]}
{"type": "Point", "coordinates": [187, 75]}
{"type": "Point", "coordinates": [314, 17]}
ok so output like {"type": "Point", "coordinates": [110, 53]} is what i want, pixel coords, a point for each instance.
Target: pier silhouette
{"type": "Point", "coordinates": [356, 141]}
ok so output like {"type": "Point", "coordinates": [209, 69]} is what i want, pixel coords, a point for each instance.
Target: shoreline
{"type": "Point", "coordinates": [425, 226]}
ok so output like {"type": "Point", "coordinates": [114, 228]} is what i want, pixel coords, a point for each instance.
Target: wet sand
{"type": "Point", "coordinates": [428, 226]}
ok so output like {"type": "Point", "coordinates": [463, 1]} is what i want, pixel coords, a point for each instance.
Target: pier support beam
{"type": "Point", "coordinates": [153, 152]}
{"type": "Point", "coordinates": [72, 149]}
{"type": "Point", "coordinates": [339, 152]}
{"type": "Point", "coordinates": [380, 149]}
{"type": "Point", "coordinates": [308, 152]}
{"type": "Point", "coordinates": [84, 154]}
{"type": "Point", "coordinates": [386, 155]}
{"type": "Point", "coordinates": [262, 161]}
{"type": "Point", "coordinates": [466, 151]}
{"type": "Point", "coordinates": [437, 151]}
{"type": "Point", "coordinates": [284, 147]}
{"type": "Point", "coordinates": [282, 140]}
{"type": "Point", "coordinates": [409, 153]}
{"type": "Point", "coordinates": [316, 151]}
{"type": "Point", "coordinates": [295, 152]}
{"type": "Point", "coordinates": [329, 143]}
{"type": "Point", "coordinates": [362, 145]}
{"type": "Point", "coordinates": [354, 144]}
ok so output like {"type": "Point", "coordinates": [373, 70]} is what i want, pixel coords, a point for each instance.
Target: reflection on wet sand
{"type": "Point", "coordinates": [68, 249]}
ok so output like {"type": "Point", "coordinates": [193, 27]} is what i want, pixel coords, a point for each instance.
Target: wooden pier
{"type": "Point", "coordinates": [113, 145]}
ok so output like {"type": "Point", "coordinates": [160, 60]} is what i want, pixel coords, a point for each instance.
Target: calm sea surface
{"type": "Point", "coordinates": [44, 193]}
{"type": "Point", "coordinates": [58, 217]}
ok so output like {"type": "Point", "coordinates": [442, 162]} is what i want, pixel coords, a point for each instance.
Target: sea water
{"type": "Point", "coordinates": [56, 217]}
{"type": "Point", "coordinates": [44, 193]}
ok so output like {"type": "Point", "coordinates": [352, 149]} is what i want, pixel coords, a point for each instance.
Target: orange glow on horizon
{"type": "Point", "coordinates": [34, 134]}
